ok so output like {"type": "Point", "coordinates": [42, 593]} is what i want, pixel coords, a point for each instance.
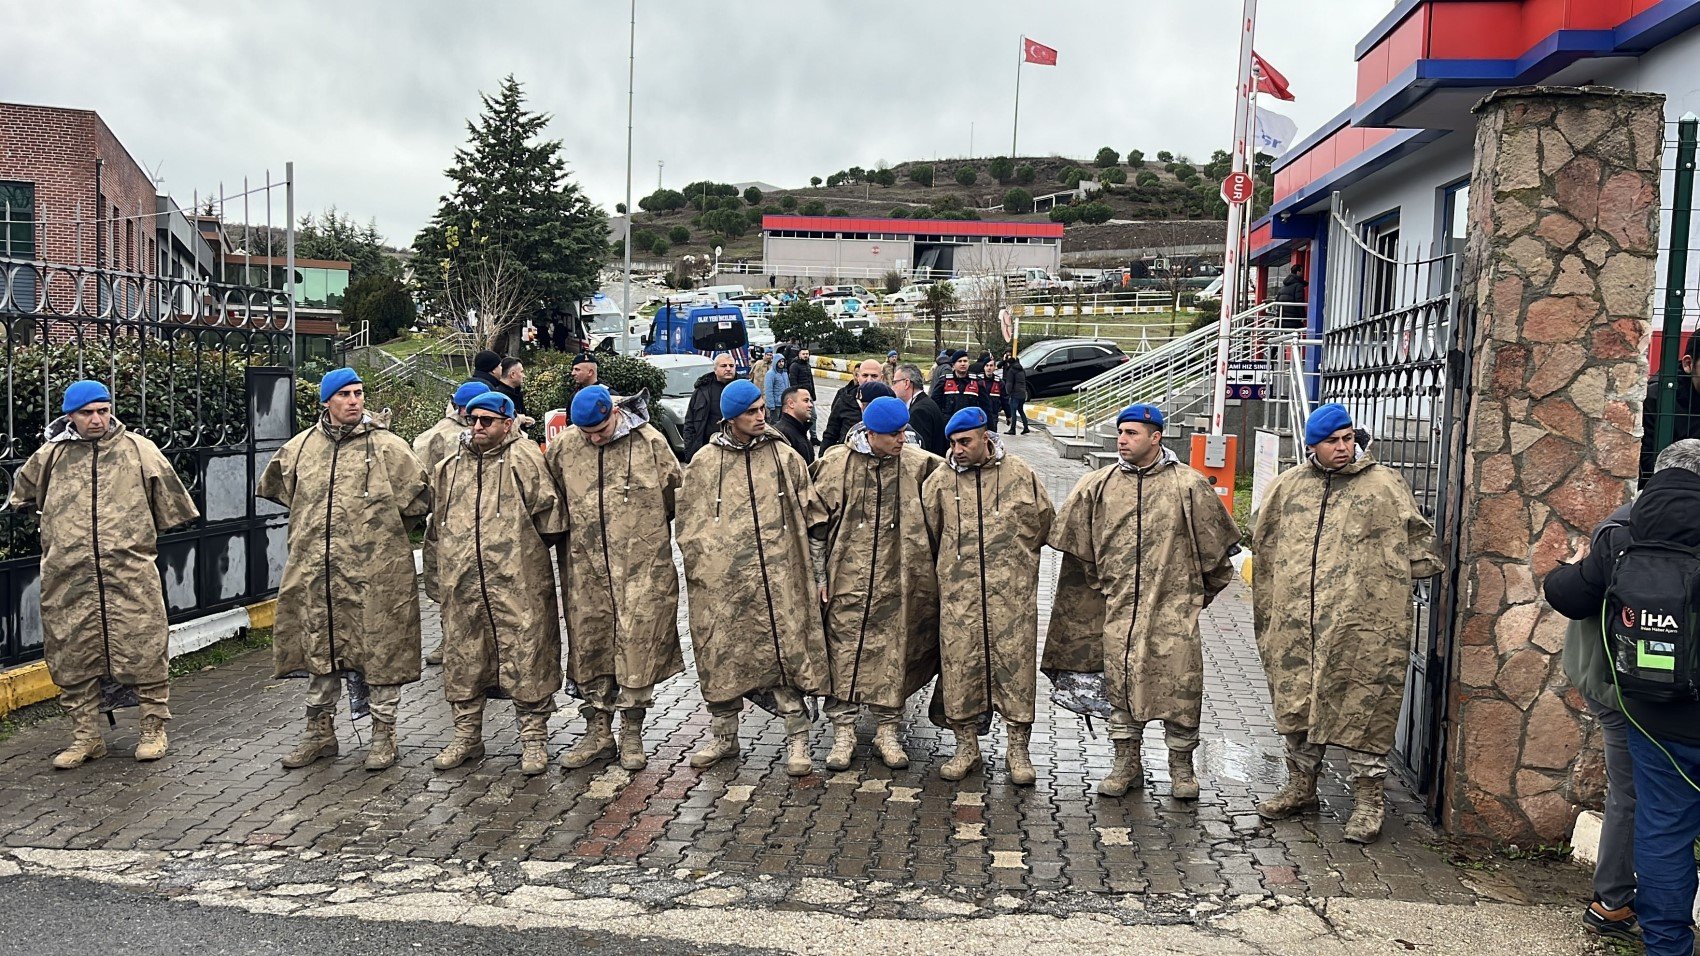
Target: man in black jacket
{"type": "Point", "coordinates": [1664, 738]}
{"type": "Point", "coordinates": [925, 419]}
{"type": "Point", "coordinates": [796, 411]}
{"type": "Point", "coordinates": [1686, 414]}
{"type": "Point", "coordinates": [961, 388]}
{"type": "Point", "coordinates": [1015, 392]}
{"type": "Point", "coordinates": [802, 371]}
{"type": "Point", "coordinates": [702, 417]}
{"type": "Point", "coordinates": [846, 410]}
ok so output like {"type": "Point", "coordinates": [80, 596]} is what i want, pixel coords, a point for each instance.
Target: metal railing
{"type": "Point", "coordinates": [422, 363]}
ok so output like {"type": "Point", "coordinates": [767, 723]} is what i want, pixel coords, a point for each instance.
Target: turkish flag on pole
{"type": "Point", "coordinates": [1267, 79]}
{"type": "Point", "coordinates": [1032, 51]}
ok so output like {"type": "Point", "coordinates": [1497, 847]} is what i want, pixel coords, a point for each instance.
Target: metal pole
{"type": "Point", "coordinates": [1236, 211]}
{"type": "Point", "coordinates": [1015, 124]}
{"type": "Point", "coordinates": [289, 253]}
{"type": "Point", "coordinates": [1676, 278]}
{"type": "Point", "coordinates": [626, 286]}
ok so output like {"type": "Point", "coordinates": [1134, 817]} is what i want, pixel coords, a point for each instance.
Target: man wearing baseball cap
{"type": "Point", "coordinates": [431, 446]}
{"type": "Point", "coordinates": [104, 494]}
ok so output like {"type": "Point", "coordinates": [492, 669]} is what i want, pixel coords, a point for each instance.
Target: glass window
{"type": "Point", "coordinates": [17, 220]}
{"type": "Point", "coordinates": [1381, 270]}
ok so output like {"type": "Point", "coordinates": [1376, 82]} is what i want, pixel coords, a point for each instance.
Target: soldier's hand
{"type": "Point", "coordinates": [1580, 553]}
{"type": "Point", "coordinates": [822, 591]}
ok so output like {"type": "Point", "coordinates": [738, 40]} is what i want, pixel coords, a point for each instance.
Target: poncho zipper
{"type": "Point", "coordinates": [873, 566]}
{"type": "Point", "coordinates": [761, 557]}
{"type": "Point", "coordinates": [478, 549]}
{"type": "Point", "coordinates": [330, 607]}
{"type": "Point", "coordinates": [1316, 549]}
{"type": "Point", "coordinates": [94, 542]}
{"type": "Point", "coordinates": [1138, 582]}
{"type": "Point", "coordinates": [985, 612]}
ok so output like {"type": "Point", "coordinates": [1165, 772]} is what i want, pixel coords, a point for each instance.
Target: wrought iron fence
{"type": "Point", "coordinates": [203, 369]}
{"type": "Point", "coordinates": [1673, 397]}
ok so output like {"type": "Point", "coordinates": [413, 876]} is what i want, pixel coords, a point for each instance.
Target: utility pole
{"type": "Point", "coordinates": [626, 288]}
{"type": "Point", "coordinates": [658, 164]}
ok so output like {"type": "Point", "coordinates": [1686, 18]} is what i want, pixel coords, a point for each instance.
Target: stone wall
{"type": "Point", "coordinates": [1559, 266]}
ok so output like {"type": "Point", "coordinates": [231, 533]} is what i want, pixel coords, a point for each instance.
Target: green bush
{"type": "Point", "coordinates": [815, 181]}
{"type": "Point", "coordinates": [659, 247]}
{"type": "Point", "coordinates": [813, 207]}
{"type": "Point", "coordinates": [662, 200]}
{"type": "Point", "coordinates": [921, 173]}
{"type": "Point", "coordinates": [1135, 158]}
{"type": "Point", "coordinates": [1147, 179]}
{"type": "Point", "coordinates": [965, 176]}
{"type": "Point", "coordinates": [1164, 156]}
{"type": "Point", "coordinates": [899, 212]}
{"type": "Point", "coordinates": [1001, 169]}
{"type": "Point", "coordinates": [678, 235]}
{"type": "Point", "coordinates": [1107, 157]}
{"type": "Point", "coordinates": [1025, 175]}
{"type": "Point", "coordinates": [752, 195]}
{"type": "Point", "coordinates": [802, 322]}
{"type": "Point", "coordinates": [884, 178]}
{"type": "Point", "coordinates": [788, 203]}
{"type": "Point", "coordinates": [893, 280]}
{"type": "Point", "coordinates": [1067, 215]}
{"type": "Point", "coordinates": [1114, 175]}
{"type": "Point", "coordinates": [1096, 212]}
{"type": "Point", "coordinates": [1017, 201]}
{"type": "Point", "coordinates": [838, 211]}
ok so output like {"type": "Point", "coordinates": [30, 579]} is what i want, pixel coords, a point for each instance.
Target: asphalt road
{"type": "Point", "coordinates": [56, 915]}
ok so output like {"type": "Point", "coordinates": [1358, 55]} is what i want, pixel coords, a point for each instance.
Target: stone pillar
{"type": "Point", "coordinates": [1563, 220]}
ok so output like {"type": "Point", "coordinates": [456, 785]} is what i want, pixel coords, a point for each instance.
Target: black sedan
{"type": "Point", "coordinates": [1056, 366]}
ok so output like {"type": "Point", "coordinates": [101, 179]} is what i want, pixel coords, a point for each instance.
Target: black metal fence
{"type": "Point", "coordinates": [202, 369]}
{"type": "Point", "coordinates": [1673, 396]}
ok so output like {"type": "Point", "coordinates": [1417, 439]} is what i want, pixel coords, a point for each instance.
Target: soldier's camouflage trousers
{"type": "Point", "coordinates": [788, 700]}
{"type": "Point", "coordinates": [323, 691]}
{"type": "Point", "coordinates": [606, 695]}
{"type": "Point", "coordinates": [1308, 757]}
{"type": "Point", "coordinates": [1177, 738]}
{"type": "Point", "coordinates": [85, 695]}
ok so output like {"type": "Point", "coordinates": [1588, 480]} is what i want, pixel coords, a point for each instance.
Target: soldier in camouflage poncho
{"type": "Point", "coordinates": [876, 578]}
{"type": "Point", "coordinates": [431, 446]}
{"type": "Point", "coordinates": [620, 477]}
{"type": "Point", "coordinates": [1153, 542]}
{"type": "Point", "coordinates": [349, 603]}
{"type": "Point", "coordinates": [987, 515]}
{"type": "Point", "coordinates": [746, 510]}
{"type": "Point", "coordinates": [1338, 541]}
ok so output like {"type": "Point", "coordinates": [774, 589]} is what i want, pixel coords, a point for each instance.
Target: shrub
{"type": "Point", "coordinates": [385, 304]}
{"type": "Point", "coordinates": [1017, 200]}
{"type": "Point", "coordinates": [1065, 214]}
{"type": "Point", "coordinates": [752, 196]}
{"type": "Point", "coordinates": [1114, 175]}
{"type": "Point", "coordinates": [802, 322]}
{"type": "Point", "coordinates": [1107, 157]}
{"type": "Point", "coordinates": [1001, 169]}
{"type": "Point", "coordinates": [837, 211]}
{"type": "Point", "coordinates": [679, 235]}
{"type": "Point", "coordinates": [885, 177]}
{"type": "Point", "coordinates": [662, 200]}
{"type": "Point", "coordinates": [1164, 156]}
{"type": "Point", "coordinates": [965, 176]}
{"type": "Point", "coordinates": [893, 280]}
{"type": "Point", "coordinates": [1135, 158]}
{"type": "Point", "coordinates": [814, 181]}
{"type": "Point", "coordinates": [620, 208]}
{"type": "Point", "coordinates": [1147, 179]}
{"type": "Point", "coordinates": [1095, 213]}
{"type": "Point", "coordinates": [659, 247]}
{"type": "Point", "coordinates": [1071, 176]}
{"type": "Point", "coordinates": [643, 240]}
{"type": "Point", "coordinates": [901, 212]}
{"type": "Point", "coordinates": [813, 207]}
{"type": "Point", "coordinates": [921, 173]}
{"type": "Point", "coordinates": [788, 203]}
{"type": "Point", "coordinates": [1025, 174]}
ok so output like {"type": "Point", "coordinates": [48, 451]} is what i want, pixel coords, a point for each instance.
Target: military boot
{"type": "Point", "coordinates": [1020, 764]}
{"type": "Point", "coordinates": [889, 747]}
{"type": "Point", "coordinates": [843, 745]}
{"type": "Point", "coordinates": [466, 744]}
{"type": "Point", "coordinates": [967, 757]}
{"type": "Point", "coordinates": [86, 741]}
{"type": "Point", "coordinates": [1369, 806]}
{"type": "Point", "coordinates": [1127, 773]}
{"type": "Point", "coordinates": [153, 742]}
{"type": "Point", "coordinates": [597, 742]}
{"type": "Point", "coordinates": [723, 744]}
{"type": "Point", "coordinates": [319, 741]}
{"type": "Point", "coordinates": [381, 755]}
{"type": "Point", "coordinates": [632, 755]}
{"type": "Point", "coordinates": [1298, 796]}
{"type": "Point", "coordinates": [435, 654]}
{"type": "Point", "coordinates": [797, 761]}
{"type": "Point", "coordinates": [533, 744]}
{"type": "Point", "coordinates": [1183, 783]}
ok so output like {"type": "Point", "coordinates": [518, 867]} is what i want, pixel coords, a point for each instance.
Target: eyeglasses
{"type": "Point", "coordinates": [484, 421]}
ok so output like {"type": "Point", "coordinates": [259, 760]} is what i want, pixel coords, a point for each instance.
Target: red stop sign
{"type": "Point", "coordinates": [1237, 188]}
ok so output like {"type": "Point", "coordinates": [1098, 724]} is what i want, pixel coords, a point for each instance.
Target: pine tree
{"type": "Point", "coordinates": [513, 209]}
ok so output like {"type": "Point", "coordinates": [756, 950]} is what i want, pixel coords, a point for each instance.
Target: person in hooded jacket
{"type": "Point", "coordinates": [1339, 540]}
{"type": "Point", "coordinates": [987, 517]}
{"type": "Point", "coordinates": [104, 495]}
{"type": "Point", "coordinates": [702, 416]}
{"type": "Point", "coordinates": [497, 513]}
{"type": "Point", "coordinates": [746, 510]}
{"type": "Point", "coordinates": [774, 385]}
{"type": "Point", "coordinates": [1015, 392]}
{"type": "Point", "coordinates": [620, 480]}
{"type": "Point", "coordinates": [846, 412]}
{"type": "Point", "coordinates": [431, 446]}
{"type": "Point", "coordinates": [1150, 543]}
{"type": "Point", "coordinates": [348, 607]}
{"type": "Point", "coordinates": [875, 580]}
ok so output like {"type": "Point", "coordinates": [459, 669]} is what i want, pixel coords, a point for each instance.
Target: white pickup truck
{"type": "Point", "coordinates": [1040, 280]}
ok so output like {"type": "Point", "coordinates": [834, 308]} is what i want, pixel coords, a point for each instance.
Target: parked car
{"type": "Point", "coordinates": [758, 324]}
{"type": "Point", "coordinates": [839, 304]}
{"type": "Point", "coordinates": [1056, 366]}
{"type": "Point", "coordinates": [668, 410]}
{"type": "Point", "coordinates": [860, 292]}
{"type": "Point", "coordinates": [908, 295]}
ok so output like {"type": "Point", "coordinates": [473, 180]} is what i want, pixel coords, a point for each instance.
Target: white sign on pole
{"type": "Point", "coordinates": [1266, 464]}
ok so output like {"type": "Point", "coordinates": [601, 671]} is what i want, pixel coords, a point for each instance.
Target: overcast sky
{"type": "Point", "coordinates": [370, 98]}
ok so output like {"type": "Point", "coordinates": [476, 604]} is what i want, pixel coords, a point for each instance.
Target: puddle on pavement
{"type": "Point", "coordinates": [1231, 760]}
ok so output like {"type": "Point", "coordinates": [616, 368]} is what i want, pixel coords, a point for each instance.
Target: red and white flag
{"type": "Point", "coordinates": [1032, 51]}
{"type": "Point", "coordinates": [1267, 79]}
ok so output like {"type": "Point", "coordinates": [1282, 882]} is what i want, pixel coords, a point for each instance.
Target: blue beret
{"type": "Point", "coordinates": [1325, 421]}
{"type": "Point", "coordinates": [872, 390]}
{"type": "Point", "coordinates": [1149, 414]}
{"type": "Point", "coordinates": [335, 381]}
{"type": "Point", "coordinates": [469, 391]}
{"type": "Point", "coordinates": [886, 415]}
{"type": "Point", "coordinates": [592, 406]}
{"type": "Point", "coordinates": [82, 393]}
{"type": "Point", "coordinates": [737, 398]}
{"type": "Point", "coordinates": [958, 356]}
{"type": "Point", "coordinates": [891, 354]}
{"type": "Point", "coordinates": [968, 419]}
{"type": "Point", "coordinates": [492, 401]}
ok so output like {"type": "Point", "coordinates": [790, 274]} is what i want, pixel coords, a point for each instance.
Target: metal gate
{"type": "Point", "coordinates": [201, 369]}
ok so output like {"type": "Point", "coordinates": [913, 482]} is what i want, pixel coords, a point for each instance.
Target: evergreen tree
{"type": "Point", "coordinates": [512, 208]}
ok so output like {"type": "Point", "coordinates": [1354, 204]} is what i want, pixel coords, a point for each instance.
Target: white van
{"type": "Point", "coordinates": [719, 293]}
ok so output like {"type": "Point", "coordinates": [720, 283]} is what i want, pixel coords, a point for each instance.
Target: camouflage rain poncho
{"type": "Point", "coordinates": [432, 446]}
{"type": "Point", "coordinates": [987, 525]}
{"type": "Point", "coordinates": [103, 504]}
{"type": "Point", "coordinates": [617, 572]}
{"type": "Point", "coordinates": [501, 628]}
{"type": "Point", "coordinates": [1331, 599]}
{"type": "Point", "coordinates": [882, 627]}
{"type": "Point", "coordinates": [349, 599]}
{"type": "Point", "coordinates": [1145, 551]}
{"type": "Point", "coordinates": [745, 513]}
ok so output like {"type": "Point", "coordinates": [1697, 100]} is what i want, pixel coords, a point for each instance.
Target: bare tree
{"type": "Point", "coordinates": [489, 296]}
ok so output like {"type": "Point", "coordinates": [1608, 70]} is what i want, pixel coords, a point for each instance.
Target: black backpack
{"type": "Point", "coordinates": [1651, 622]}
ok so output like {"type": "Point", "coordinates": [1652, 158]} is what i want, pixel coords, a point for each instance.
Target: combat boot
{"type": "Point", "coordinates": [86, 742]}
{"type": "Point", "coordinates": [533, 744]}
{"type": "Point", "coordinates": [723, 744]}
{"type": "Point", "coordinates": [632, 755]}
{"type": "Point", "coordinates": [843, 745]}
{"type": "Point", "coordinates": [1020, 764]}
{"type": "Point", "coordinates": [1298, 796]}
{"type": "Point", "coordinates": [1183, 783]}
{"type": "Point", "coordinates": [381, 755]}
{"type": "Point", "coordinates": [320, 741]}
{"type": "Point", "coordinates": [889, 747]}
{"type": "Point", "coordinates": [435, 654]}
{"type": "Point", "coordinates": [1127, 773]}
{"type": "Point", "coordinates": [1369, 806]}
{"type": "Point", "coordinates": [597, 742]}
{"type": "Point", "coordinates": [797, 761]}
{"type": "Point", "coordinates": [153, 743]}
{"type": "Point", "coordinates": [466, 744]}
{"type": "Point", "coordinates": [967, 757]}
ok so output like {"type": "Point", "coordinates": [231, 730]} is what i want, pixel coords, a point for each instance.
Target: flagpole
{"type": "Point", "coordinates": [1236, 216]}
{"type": "Point", "coordinates": [1015, 125]}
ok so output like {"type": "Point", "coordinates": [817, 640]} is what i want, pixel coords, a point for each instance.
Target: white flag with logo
{"type": "Point", "coordinates": [1275, 133]}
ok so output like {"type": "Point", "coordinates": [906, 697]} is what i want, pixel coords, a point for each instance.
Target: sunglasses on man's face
{"type": "Point", "coordinates": [485, 421]}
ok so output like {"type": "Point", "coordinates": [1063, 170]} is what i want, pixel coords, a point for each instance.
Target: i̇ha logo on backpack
{"type": "Point", "coordinates": [1651, 630]}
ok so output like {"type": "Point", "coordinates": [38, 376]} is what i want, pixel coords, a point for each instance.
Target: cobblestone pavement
{"type": "Point", "coordinates": [744, 828]}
